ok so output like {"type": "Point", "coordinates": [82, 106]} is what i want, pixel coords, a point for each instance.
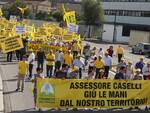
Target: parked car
{"type": "Point", "coordinates": [148, 54]}
{"type": "Point", "coordinates": [141, 48]}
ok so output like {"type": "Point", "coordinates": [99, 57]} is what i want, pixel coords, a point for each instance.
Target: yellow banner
{"type": "Point", "coordinates": [69, 17]}
{"type": "Point", "coordinates": [45, 47]}
{"type": "Point", "coordinates": [53, 93]}
{"type": "Point", "coordinates": [2, 39]}
{"type": "Point", "coordinates": [11, 44]}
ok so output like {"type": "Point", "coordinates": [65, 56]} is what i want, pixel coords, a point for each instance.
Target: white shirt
{"type": "Point", "coordinates": [146, 71]}
{"type": "Point", "coordinates": [59, 56]}
{"type": "Point", "coordinates": [101, 53]}
{"type": "Point", "coordinates": [31, 58]}
{"type": "Point", "coordinates": [78, 63]}
{"type": "Point", "coordinates": [129, 73]}
{"type": "Point", "coordinates": [90, 60]}
{"type": "Point", "coordinates": [108, 61]}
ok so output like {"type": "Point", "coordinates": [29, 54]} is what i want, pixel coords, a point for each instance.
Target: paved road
{"type": "Point", "coordinates": [19, 102]}
{"type": "Point", "coordinates": [15, 101]}
{"type": "Point", "coordinates": [1, 95]}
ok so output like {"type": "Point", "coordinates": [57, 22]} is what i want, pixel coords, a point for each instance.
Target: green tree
{"type": "Point", "coordinates": [93, 13]}
{"type": "Point", "coordinates": [12, 8]}
{"type": "Point", "coordinates": [58, 16]}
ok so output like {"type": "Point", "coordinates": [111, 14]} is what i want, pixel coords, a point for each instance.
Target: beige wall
{"type": "Point", "coordinates": [139, 36]}
{"type": "Point", "coordinates": [44, 6]}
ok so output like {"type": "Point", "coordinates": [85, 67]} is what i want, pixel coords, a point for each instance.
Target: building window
{"type": "Point", "coordinates": [127, 28]}
{"type": "Point", "coordinates": [126, 31]}
{"type": "Point", "coordinates": [128, 13]}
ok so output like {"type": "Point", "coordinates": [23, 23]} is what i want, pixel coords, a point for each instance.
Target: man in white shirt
{"type": "Point", "coordinates": [101, 52]}
{"type": "Point", "coordinates": [90, 63]}
{"type": "Point", "coordinates": [59, 58]}
{"type": "Point", "coordinates": [108, 64]}
{"type": "Point", "coordinates": [80, 64]}
{"type": "Point", "coordinates": [31, 60]}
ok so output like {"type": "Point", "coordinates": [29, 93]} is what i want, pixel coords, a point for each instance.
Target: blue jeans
{"type": "Point", "coordinates": [40, 64]}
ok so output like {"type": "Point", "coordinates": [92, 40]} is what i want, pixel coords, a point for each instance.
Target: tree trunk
{"type": "Point", "coordinates": [89, 32]}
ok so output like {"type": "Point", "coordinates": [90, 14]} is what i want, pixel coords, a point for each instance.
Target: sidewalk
{"type": "Point", "coordinates": [1, 96]}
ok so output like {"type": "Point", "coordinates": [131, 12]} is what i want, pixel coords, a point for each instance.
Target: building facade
{"type": "Point", "coordinates": [122, 16]}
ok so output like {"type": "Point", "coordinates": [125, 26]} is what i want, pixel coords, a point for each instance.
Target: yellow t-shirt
{"type": "Point", "coordinates": [68, 59]}
{"type": "Point", "coordinates": [50, 59]}
{"type": "Point", "coordinates": [99, 63]}
{"type": "Point", "coordinates": [23, 67]}
{"type": "Point", "coordinates": [75, 47]}
{"type": "Point", "coordinates": [81, 47]}
{"type": "Point", "coordinates": [120, 50]}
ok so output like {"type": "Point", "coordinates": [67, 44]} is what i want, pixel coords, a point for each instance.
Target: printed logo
{"type": "Point", "coordinates": [47, 90]}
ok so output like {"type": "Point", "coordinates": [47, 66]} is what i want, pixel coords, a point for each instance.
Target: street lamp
{"type": "Point", "coordinates": [115, 30]}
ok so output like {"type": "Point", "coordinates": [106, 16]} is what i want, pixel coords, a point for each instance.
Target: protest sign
{"type": "Point", "coordinates": [2, 39]}
{"type": "Point", "coordinates": [20, 29]}
{"type": "Point", "coordinates": [73, 28]}
{"type": "Point", "coordinates": [11, 44]}
{"type": "Point", "coordinates": [69, 17]}
{"type": "Point", "coordinates": [45, 47]}
{"type": "Point", "coordinates": [92, 93]}
{"type": "Point", "coordinates": [12, 17]}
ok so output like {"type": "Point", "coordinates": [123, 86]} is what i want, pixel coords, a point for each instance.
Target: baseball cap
{"type": "Point", "coordinates": [148, 62]}
{"type": "Point", "coordinates": [138, 70]}
{"type": "Point", "coordinates": [141, 58]}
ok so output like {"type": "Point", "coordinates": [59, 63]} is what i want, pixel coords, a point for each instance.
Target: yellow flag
{"type": "Point", "coordinates": [70, 17]}
{"type": "Point", "coordinates": [1, 13]}
{"type": "Point", "coordinates": [63, 9]}
{"type": "Point", "coordinates": [22, 9]}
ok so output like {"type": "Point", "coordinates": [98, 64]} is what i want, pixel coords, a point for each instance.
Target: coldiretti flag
{"type": "Point", "coordinates": [1, 13]}
{"type": "Point", "coordinates": [52, 93]}
{"type": "Point", "coordinates": [69, 17]}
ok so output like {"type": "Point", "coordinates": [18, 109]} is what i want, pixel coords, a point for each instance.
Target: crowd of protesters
{"type": "Point", "coordinates": [96, 64]}
{"type": "Point", "coordinates": [93, 62]}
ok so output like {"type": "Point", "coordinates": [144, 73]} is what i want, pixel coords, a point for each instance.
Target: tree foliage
{"type": "Point", "coordinates": [12, 8]}
{"type": "Point", "coordinates": [58, 16]}
{"type": "Point", "coordinates": [93, 12]}
{"type": "Point", "coordinates": [43, 16]}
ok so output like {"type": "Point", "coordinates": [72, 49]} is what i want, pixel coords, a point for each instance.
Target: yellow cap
{"type": "Point", "coordinates": [138, 70]}
{"type": "Point", "coordinates": [60, 49]}
{"type": "Point", "coordinates": [148, 62]}
{"type": "Point", "coordinates": [130, 62]}
{"type": "Point", "coordinates": [31, 50]}
{"type": "Point", "coordinates": [141, 58]}
{"type": "Point", "coordinates": [75, 68]}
